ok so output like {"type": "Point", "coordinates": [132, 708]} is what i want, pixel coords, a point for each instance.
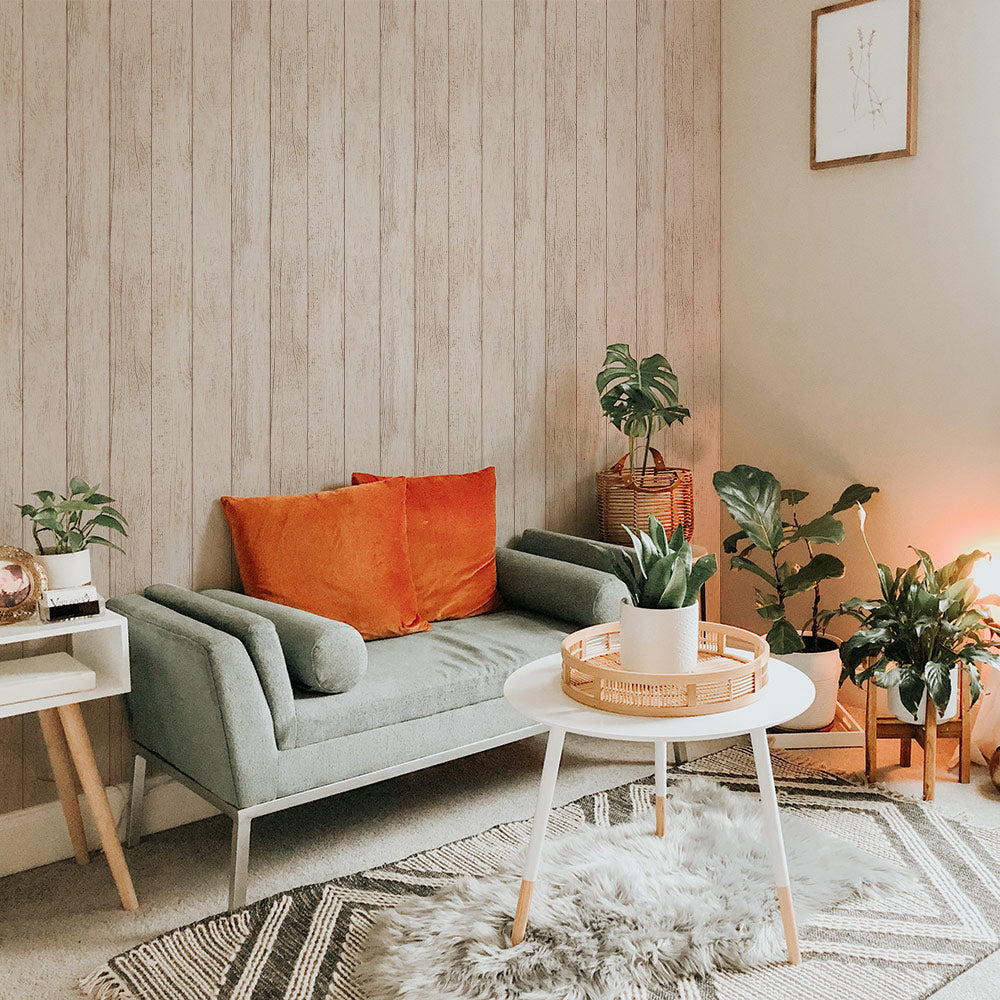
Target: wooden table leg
{"type": "Point", "coordinates": [965, 745]}
{"type": "Point", "coordinates": [62, 770]}
{"type": "Point", "coordinates": [930, 748]}
{"type": "Point", "coordinates": [905, 751]}
{"type": "Point", "coordinates": [775, 843]}
{"type": "Point", "coordinates": [546, 789]}
{"type": "Point", "coordinates": [86, 768]}
{"type": "Point", "coordinates": [660, 751]}
{"type": "Point", "coordinates": [871, 730]}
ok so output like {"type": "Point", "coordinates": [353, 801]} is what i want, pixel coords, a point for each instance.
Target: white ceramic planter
{"type": "Point", "coordinates": [823, 669]}
{"type": "Point", "coordinates": [898, 709]}
{"type": "Point", "coordinates": [659, 640]}
{"type": "Point", "coordinates": [68, 569]}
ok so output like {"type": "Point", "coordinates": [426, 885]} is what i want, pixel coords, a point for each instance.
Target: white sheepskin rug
{"type": "Point", "coordinates": [617, 909]}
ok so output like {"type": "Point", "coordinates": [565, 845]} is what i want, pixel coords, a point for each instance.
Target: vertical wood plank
{"type": "Point", "coordinates": [87, 304]}
{"type": "Point", "coordinates": [529, 265]}
{"type": "Point", "coordinates": [131, 305]}
{"type": "Point", "coordinates": [211, 271]}
{"type": "Point", "coordinates": [43, 358]}
{"type": "Point", "coordinates": [465, 334]}
{"type": "Point", "coordinates": [289, 236]}
{"type": "Point", "coordinates": [326, 245]}
{"type": "Point", "coordinates": [498, 255]}
{"type": "Point", "coordinates": [707, 331]}
{"type": "Point", "coordinates": [171, 233]}
{"type": "Point", "coordinates": [362, 347]}
{"type": "Point", "coordinates": [679, 231]}
{"type": "Point", "coordinates": [560, 267]}
{"type": "Point", "coordinates": [251, 253]}
{"type": "Point", "coordinates": [397, 382]}
{"type": "Point", "coordinates": [11, 344]}
{"type": "Point", "coordinates": [621, 248]}
{"type": "Point", "coordinates": [431, 237]}
{"type": "Point", "coordinates": [591, 251]}
{"type": "Point", "coordinates": [650, 181]}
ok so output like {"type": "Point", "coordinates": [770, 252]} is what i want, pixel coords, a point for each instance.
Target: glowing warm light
{"type": "Point", "coordinates": [986, 576]}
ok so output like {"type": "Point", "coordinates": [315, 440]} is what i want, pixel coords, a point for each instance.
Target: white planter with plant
{"type": "Point", "coordinates": [659, 629]}
{"type": "Point", "coordinates": [73, 522]}
{"type": "Point", "coordinates": [754, 499]}
{"type": "Point", "coordinates": [924, 629]}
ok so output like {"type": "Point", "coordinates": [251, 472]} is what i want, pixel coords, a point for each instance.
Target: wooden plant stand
{"type": "Point", "coordinates": [925, 733]}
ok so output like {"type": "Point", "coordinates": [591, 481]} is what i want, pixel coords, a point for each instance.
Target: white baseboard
{"type": "Point", "coordinates": [38, 836]}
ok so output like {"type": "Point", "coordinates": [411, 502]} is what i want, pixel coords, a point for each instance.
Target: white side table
{"type": "Point", "coordinates": [97, 667]}
{"type": "Point", "coordinates": [535, 692]}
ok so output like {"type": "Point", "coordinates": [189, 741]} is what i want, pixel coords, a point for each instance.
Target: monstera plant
{"type": "Point", "coordinates": [638, 397]}
{"type": "Point", "coordinates": [771, 529]}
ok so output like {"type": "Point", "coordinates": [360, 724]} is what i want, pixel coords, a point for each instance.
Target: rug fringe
{"type": "Point", "coordinates": [104, 984]}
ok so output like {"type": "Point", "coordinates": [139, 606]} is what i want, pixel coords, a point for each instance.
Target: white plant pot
{"type": "Point", "coordinates": [659, 640]}
{"type": "Point", "coordinates": [898, 709]}
{"type": "Point", "coordinates": [823, 669]}
{"type": "Point", "coordinates": [68, 569]}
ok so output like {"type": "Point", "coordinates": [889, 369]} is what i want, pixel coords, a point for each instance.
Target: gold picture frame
{"type": "Point", "coordinates": [22, 581]}
{"type": "Point", "coordinates": [863, 87]}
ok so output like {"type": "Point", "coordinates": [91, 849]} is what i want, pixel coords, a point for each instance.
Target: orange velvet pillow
{"type": "Point", "coordinates": [451, 524]}
{"type": "Point", "coordinates": [341, 554]}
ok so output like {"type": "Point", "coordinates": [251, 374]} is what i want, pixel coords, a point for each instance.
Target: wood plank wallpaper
{"type": "Point", "coordinates": [251, 247]}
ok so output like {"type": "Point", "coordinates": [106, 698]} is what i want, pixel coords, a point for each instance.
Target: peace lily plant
{"type": "Point", "coordinates": [924, 630]}
{"type": "Point", "coordinates": [659, 628]}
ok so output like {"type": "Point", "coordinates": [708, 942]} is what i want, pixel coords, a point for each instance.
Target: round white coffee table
{"type": "Point", "coordinates": [535, 691]}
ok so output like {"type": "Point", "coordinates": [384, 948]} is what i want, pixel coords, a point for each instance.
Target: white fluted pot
{"type": "Point", "coordinates": [659, 640]}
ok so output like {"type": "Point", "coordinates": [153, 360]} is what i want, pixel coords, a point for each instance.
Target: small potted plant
{"type": "Point", "coordinates": [640, 398]}
{"type": "Point", "coordinates": [920, 634]}
{"type": "Point", "coordinates": [659, 629]}
{"type": "Point", "coordinates": [73, 522]}
{"type": "Point", "coordinates": [769, 523]}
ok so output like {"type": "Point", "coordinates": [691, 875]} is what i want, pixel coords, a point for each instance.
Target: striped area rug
{"type": "Point", "coordinates": [305, 944]}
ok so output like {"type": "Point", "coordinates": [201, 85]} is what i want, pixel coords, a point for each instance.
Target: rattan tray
{"type": "Point", "coordinates": [592, 674]}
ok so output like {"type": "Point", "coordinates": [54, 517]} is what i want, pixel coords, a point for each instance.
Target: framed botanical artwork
{"type": "Point", "coordinates": [864, 81]}
{"type": "Point", "coordinates": [22, 581]}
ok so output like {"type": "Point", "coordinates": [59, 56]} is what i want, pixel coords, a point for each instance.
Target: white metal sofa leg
{"type": "Point", "coordinates": [239, 861]}
{"type": "Point", "coordinates": [137, 793]}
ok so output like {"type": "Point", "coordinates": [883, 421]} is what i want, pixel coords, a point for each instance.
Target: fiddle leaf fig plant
{"type": "Point", "coordinates": [638, 397]}
{"type": "Point", "coordinates": [74, 519]}
{"type": "Point", "coordinates": [923, 626]}
{"type": "Point", "coordinates": [664, 573]}
{"type": "Point", "coordinates": [769, 524]}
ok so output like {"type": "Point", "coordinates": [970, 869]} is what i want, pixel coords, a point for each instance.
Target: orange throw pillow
{"type": "Point", "coordinates": [451, 524]}
{"type": "Point", "coordinates": [341, 554]}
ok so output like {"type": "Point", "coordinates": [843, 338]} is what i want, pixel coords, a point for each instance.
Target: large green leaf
{"type": "Point", "coordinates": [782, 638]}
{"type": "Point", "coordinates": [854, 494]}
{"type": "Point", "coordinates": [937, 677]}
{"type": "Point", "coordinates": [752, 497]}
{"type": "Point", "coordinates": [822, 566]}
{"type": "Point", "coordinates": [701, 572]}
{"type": "Point", "coordinates": [825, 529]}
{"type": "Point", "coordinates": [638, 396]}
{"type": "Point", "coordinates": [792, 497]}
{"type": "Point", "coordinates": [738, 562]}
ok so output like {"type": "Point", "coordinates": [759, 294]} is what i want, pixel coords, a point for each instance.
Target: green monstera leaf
{"type": "Point", "coordinates": [638, 396]}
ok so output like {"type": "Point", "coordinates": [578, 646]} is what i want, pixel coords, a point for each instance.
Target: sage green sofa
{"type": "Point", "coordinates": [221, 695]}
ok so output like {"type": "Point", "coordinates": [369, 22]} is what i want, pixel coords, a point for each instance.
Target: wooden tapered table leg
{"type": "Point", "coordinates": [905, 751]}
{"type": "Point", "coordinates": [62, 771]}
{"type": "Point", "coordinates": [965, 741]}
{"type": "Point", "coordinates": [660, 751]}
{"type": "Point", "coordinates": [775, 843]}
{"type": "Point", "coordinates": [93, 787]}
{"type": "Point", "coordinates": [930, 749]}
{"type": "Point", "coordinates": [871, 731]}
{"type": "Point", "coordinates": [546, 789]}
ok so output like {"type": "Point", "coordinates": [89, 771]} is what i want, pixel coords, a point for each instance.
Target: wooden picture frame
{"type": "Point", "coordinates": [855, 84]}
{"type": "Point", "coordinates": [22, 581]}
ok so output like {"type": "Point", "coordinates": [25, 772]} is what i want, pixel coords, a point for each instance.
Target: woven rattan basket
{"type": "Point", "coordinates": [667, 493]}
{"type": "Point", "coordinates": [592, 674]}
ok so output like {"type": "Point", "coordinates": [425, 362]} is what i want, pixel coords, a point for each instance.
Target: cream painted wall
{"type": "Point", "coordinates": [860, 303]}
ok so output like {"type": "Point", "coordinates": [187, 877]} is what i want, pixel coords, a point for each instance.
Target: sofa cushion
{"type": "Point", "coordinates": [451, 529]}
{"type": "Point", "coordinates": [322, 655]}
{"type": "Point", "coordinates": [462, 662]}
{"type": "Point", "coordinates": [341, 554]}
{"type": "Point", "coordinates": [259, 638]}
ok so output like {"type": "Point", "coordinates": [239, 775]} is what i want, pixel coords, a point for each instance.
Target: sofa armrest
{"type": "Point", "coordinates": [321, 654]}
{"type": "Point", "coordinates": [578, 594]}
{"type": "Point", "coordinates": [197, 702]}
{"type": "Point", "coordinates": [569, 548]}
